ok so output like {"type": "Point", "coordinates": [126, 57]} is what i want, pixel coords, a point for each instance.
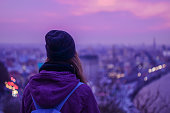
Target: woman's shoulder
{"type": "Point", "coordinates": [86, 96]}
{"type": "Point", "coordinates": [84, 90]}
{"type": "Point", "coordinates": [84, 87]}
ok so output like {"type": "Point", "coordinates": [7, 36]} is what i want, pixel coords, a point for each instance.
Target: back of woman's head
{"type": "Point", "coordinates": [60, 47]}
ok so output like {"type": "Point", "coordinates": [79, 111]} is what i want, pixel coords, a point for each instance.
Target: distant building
{"type": "Point", "coordinates": [90, 65]}
{"type": "Point", "coordinates": [154, 43]}
{"type": "Point", "coordinates": [166, 53]}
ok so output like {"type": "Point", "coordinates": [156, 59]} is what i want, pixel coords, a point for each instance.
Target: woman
{"type": "Point", "coordinates": [57, 77]}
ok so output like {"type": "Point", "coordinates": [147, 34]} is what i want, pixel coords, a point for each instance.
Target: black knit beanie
{"type": "Point", "coordinates": [60, 45]}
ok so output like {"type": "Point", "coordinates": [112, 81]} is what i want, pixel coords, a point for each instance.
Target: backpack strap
{"type": "Point", "coordinates": [58, 107]}
{"type": "Point", "coordinates": [35, 104]}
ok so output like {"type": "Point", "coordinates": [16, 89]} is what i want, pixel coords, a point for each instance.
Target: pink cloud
{"type": "Point", "coordinates": [141, 9]}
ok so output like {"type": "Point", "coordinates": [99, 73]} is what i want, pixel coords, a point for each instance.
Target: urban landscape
{"type": "Point", "coordinates": [116, 74]}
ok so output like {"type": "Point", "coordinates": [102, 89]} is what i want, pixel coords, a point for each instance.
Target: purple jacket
{"type": "Point", "coordinates": [49, 88]}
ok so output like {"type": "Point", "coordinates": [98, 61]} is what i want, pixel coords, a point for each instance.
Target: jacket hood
{"type": "Point", "coordinates": [50, 88]}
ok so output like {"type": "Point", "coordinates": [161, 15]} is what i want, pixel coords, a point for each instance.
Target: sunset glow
{"type": "Point", "coordinates": [101, 21]}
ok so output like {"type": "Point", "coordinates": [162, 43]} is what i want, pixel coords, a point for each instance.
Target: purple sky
{"type": "Point", "coordinates": [88, 21]}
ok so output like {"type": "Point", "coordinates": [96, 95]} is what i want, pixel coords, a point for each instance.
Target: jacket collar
{"type": "Point", "coordinates": [59, 67]}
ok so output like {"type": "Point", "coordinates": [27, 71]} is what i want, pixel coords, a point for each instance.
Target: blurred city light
{"type": "Point", "coordinates": [150, 70]}
{"type": "Point", "coordinates": [14, 93]}
{"type": "Point", "coordinates": [13, 79]}
{"type": "Point", "coordinates": [110, 66]}
{"type": "Point", "coordinates": [145, 78]}
{"type": "Point", "coordinates": [157, 68]}
{"type": "Point", "coordinates": [12, 86]}
{"type": "Point", "coordinates": [139, 74]}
